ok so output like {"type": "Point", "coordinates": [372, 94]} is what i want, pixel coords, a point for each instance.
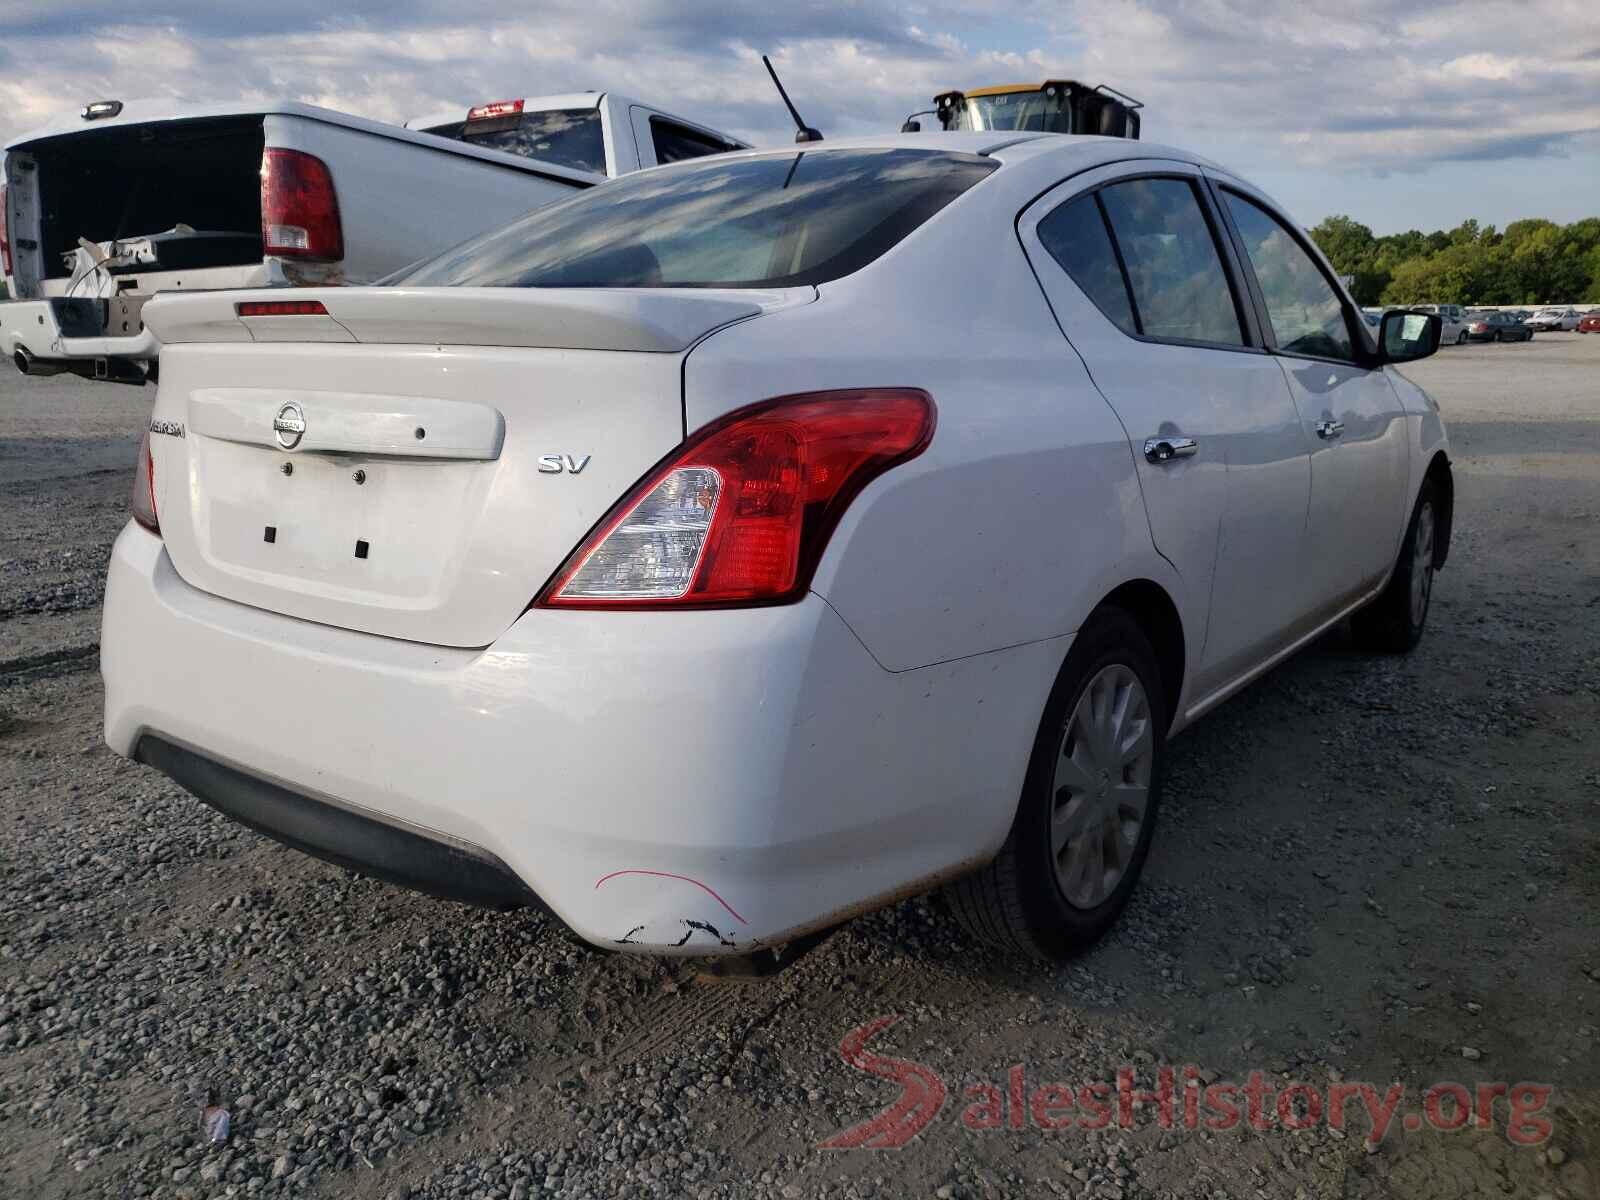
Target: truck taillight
{"type": "Point", "coordinates": [5, 243]}
{"type": "Point", "coordinates": [743, 511]}
{"type": "Point", "coordinates": [299, 208]}
{"type": "Point", "coordinates": [143, 501]}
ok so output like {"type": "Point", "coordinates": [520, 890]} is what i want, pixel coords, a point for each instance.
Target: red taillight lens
{"type": "Point", "coordinates": [143, 501]}
{"type": "Point", "coordinates": [299, 208]}
{"type": "Point", "coordinates": [742, 512]}
{"type": "Point", "coordinates": [280, 308]}
{"type": "Point", "coordinates": [5, 242]}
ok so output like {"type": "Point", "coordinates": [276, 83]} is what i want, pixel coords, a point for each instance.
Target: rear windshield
{"type": "Point", "coordinates": [775, 221]}
{"type": "Point", "coordinates": [568, 137]}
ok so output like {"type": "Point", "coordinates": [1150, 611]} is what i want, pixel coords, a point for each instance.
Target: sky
{"type": "Point", "coordinates": [1402, 116]}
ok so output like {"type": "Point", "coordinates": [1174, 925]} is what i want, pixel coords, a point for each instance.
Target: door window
{"type": "Point", "coordinates": [1180, 290]}
{"type": "Point", "coordinates": [1144, 252]}
{"type": "Point", "coordinates": [1306, 312]}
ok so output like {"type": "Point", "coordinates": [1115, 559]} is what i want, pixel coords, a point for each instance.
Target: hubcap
{"type": "Point", "coordinates": [1102, 786]}
{"type": "Point", "coordinates": [1422, 565]}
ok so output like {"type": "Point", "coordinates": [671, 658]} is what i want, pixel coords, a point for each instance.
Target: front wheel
{"type": "Point", "coordinates": [1087, 813]}
{"type": "Point", "coordinates": [1393, 623]}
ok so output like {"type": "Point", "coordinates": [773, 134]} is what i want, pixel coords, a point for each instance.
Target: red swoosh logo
{"type": "Point", "coordinates": [921, 1097]}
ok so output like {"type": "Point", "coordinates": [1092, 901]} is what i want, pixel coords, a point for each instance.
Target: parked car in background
{"type": "Point", "coordinates": [588, 563]}
{"type": "Point", "coordinates": [1554, 320]}
{"type": "Point", "coordinates": [1452, 318]}
{"type": "Point", "coordinates": [1590, 321]}
{"type": "Point", "coordinates": [1498, 327]}
{"type": "Point", "coordinates": [105, 208]}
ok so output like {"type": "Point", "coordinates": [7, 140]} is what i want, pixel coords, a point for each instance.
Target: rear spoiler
{"type": "Point", "coordinates": [651, 320]}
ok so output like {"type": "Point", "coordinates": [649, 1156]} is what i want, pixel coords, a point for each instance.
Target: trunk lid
{"type": "Point", "coordinates": [415, 463]}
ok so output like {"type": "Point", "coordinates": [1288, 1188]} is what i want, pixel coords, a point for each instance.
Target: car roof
{"type": "Point", "coordinates": [1006, 146]}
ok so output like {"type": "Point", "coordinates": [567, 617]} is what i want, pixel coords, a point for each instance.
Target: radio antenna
{"type": "Point", "coordinates": [802, 131]}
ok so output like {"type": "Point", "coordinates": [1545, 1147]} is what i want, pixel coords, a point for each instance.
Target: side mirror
{"type": "Point", "coordinates": [1408, 336]}
{"type": "Point", "coordinates": [911, 127]}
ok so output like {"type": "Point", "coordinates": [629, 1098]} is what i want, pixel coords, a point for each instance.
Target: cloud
{"type": "Point", "coordinates": [1364, 87]}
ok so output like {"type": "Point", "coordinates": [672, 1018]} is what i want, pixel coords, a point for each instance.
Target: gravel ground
{"type": "Point", "coordinates": [1368, 869]}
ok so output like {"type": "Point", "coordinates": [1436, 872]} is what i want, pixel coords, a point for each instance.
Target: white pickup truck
{"type": "Point", "coordinates": [102, 210]}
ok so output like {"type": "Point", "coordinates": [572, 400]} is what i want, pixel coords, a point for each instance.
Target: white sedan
{"type": "Point", "coordinates": [1554, 320]}
{"type": "Point", "coordinates": [755, 541]}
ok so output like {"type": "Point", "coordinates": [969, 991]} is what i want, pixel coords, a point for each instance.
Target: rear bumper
{"type": "Point", "coordinates": [329, 831]}
{"type": "Point", "coordinates": [687, 783]}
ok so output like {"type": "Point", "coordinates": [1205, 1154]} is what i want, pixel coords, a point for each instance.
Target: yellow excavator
{"type": "Point", "coordinates": [1054, 106]}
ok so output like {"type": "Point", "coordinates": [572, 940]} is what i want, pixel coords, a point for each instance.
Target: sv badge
{"type": "Point", "coordinates": [555, 464]}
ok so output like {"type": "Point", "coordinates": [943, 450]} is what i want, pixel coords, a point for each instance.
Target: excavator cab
{"type": "Point", "coordinates": [1054, 106]}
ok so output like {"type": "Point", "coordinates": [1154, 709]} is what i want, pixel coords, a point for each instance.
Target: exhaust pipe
{"type": "Point", "coordinates": [29, 365]}
{"type": "Point", "coordinates": [107, 370]}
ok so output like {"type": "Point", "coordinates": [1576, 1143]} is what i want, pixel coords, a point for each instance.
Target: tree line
{"type": "Point", "coordinates": [1530, 262]}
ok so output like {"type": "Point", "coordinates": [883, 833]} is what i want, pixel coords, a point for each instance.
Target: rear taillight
{"type": "Point", "coordinates": [742, 512]}
{"type": "Point", "coordinates": [5, 242]}
{"type": "Point", "coordinates": [143, 501]}
{"type": "Point", "coordinates": [299, 208]}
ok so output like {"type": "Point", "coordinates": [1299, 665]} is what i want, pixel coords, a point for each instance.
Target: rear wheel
{"type": "Point", "coordinates": [1461, 338]}
{"type": "Point", "coordinates": [1393, 623]}
{"type": "Point", "coordinates": [1087, 813]}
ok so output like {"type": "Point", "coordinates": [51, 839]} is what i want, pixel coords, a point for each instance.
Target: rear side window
{"type": "Point", "coordinates": [778, 220]}
{"type": "Point", "coordinates": [674, 142]}
{"type": "Point", "coordinates": [1306, 313]}
{"type": "Point", "coordinates": [568, 137]}
{"type": "Point", "coordinates": [1175, 273]}
{"type": "Point", "coordinates": [1076, 237]}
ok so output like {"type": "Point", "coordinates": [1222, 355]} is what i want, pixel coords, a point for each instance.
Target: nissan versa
{"type": "Point", "coordinates": [753, 541]}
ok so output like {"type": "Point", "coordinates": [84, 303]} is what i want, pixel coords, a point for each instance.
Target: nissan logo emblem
{"type": "Point", "coordinates": [289, 425]}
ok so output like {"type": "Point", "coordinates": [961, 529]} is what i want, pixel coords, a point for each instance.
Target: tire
{"type": "Point", "coordinates": [1461, 338]}
{"type": "Point", "coordinates": [1019, 902]}
{"type": "Point", "coordinates": [1394, 622]}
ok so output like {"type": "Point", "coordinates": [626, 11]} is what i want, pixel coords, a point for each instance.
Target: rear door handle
{"type": "Point", "coordinates": [1329, 429]}
{"type": "Point", "coordinates": [1165, 449]}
